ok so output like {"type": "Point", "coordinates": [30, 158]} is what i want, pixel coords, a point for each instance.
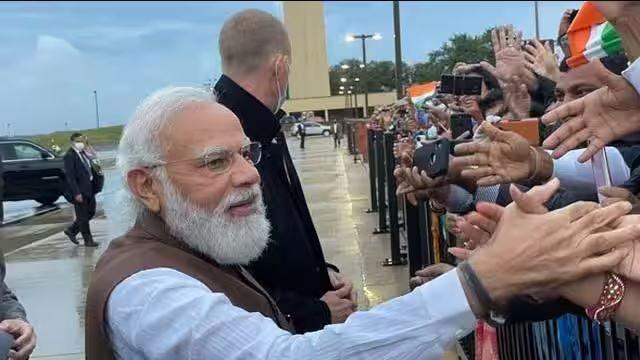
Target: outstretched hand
{"type": "Point", "coordinates": [601, 117]}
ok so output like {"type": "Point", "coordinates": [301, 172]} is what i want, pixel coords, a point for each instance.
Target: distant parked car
{"type": "Point", "coordinates": [31, 172]}
{"type": "Point", "coordinates": [287, 120]}
{"type": "Point", "coordinates": [312, 128]}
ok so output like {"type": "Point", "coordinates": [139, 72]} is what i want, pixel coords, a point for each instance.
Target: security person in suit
{"type": "Point", "coordinates": [80, 177]}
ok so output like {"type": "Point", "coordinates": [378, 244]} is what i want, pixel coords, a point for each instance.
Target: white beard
{"type": "Point", "coordinates": [226, 239]}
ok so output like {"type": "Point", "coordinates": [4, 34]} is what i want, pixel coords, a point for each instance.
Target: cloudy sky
{"type": "Point", "coordinates": [53, 55]}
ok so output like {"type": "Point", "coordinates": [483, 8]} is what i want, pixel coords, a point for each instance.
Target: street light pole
{"type": "Point", "coordinates": [364, 37]}
{"type": "Point", "coordinates": [365, 77]}
{"type": "Point", "coordinates": [95, 98]}
{"type": "Point", "coordinates": [396, 35]}
{"type": "Point", "coordinates": [535, 4]}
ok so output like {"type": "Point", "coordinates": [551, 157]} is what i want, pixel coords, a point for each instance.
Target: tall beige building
{"type": "Point", "coordinates": [309, 88]}
{"type": "Point", "coordinates": [309, 73]}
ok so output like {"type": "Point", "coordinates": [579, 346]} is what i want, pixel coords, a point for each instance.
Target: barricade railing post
{"type": "Point", "coordinates": [394, 228]}
{"type": "Point", "coordinates": [372, 171]}
{"type": "Point", "coordinates": [352, 139]}
{"type": "Point", "coordinates": [380, 175]}
{"type": "Point", "coordinates": [417, 240]}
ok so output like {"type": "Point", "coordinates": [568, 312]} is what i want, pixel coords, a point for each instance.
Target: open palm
{"type": "Point", "coordinates": [604, 115]}
{"type": "Point", "coordinates": [505, 159]}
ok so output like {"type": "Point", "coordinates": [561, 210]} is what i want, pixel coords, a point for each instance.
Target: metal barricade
{"type": "Point", "coordinates": [394, 227]}
{"type": "Point", "coordinates": [379, 160]}
{"type": "Point", "coordinates": [372, 171]}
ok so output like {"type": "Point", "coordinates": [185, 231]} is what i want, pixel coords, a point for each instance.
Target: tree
{"type": "Point", "coordinates": [459, 48]}
{"type": "Point", "coordinates": [381, 74]}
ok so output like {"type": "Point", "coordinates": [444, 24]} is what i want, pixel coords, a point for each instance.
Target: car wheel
{"type": "Point", "coordinates": [326, 133]}
{"type": "Point", "coordinates": [48, 200]}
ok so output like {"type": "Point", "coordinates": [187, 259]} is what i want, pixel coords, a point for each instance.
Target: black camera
{"type": "Point", "coordinates": [460, 84]}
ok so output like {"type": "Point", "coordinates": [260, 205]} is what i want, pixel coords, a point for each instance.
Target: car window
{"type": "Point", "coordinates": [5, 150]}
{"type": "Point", "coordinates": [310, 124]}
{"type": "Point", "coordinates": [25, 152]}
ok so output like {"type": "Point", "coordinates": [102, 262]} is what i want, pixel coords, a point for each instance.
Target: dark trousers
{"type": "Point", "coordinates": [1, 203]}
{"type": "Point", "coordinates": [84, 213]}
{"type": "Point", "coordinates": [302, 141]}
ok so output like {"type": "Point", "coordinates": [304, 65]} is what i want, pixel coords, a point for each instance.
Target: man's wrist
{"type": "Point", "coordinates": [493, 272]}
{"type": "Point", "coordinates": [545, 165]}
{"type": "Point", "coordinates": [472, 298]}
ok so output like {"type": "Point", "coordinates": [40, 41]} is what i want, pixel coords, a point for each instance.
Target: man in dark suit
{"type": "Point", "coordinates": [255, 52]}
{"type": "Point", "coordinates": [79, 174]}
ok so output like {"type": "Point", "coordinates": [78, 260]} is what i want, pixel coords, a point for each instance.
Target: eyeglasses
{"type": "Point", "coordinates": [219, 160]}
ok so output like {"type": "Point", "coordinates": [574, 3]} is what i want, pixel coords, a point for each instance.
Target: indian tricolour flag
{"type": "Point", "coordinates": [591, 37]}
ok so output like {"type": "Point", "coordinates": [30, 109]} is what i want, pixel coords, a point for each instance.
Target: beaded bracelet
{"type": "Point", "coordinates": [610, 299]}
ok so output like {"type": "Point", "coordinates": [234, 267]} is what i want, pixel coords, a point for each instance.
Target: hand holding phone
{"type": "Point", "coordinates": [433, 158]}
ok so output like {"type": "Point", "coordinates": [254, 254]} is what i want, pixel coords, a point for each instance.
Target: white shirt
{"type": "Point", "coordinates": [579, 176]}
{"type": "Point", "coordinates": [165, 314]}
{"type": "Point", "coordinates": [632, 74]}
{"type": "Point", "coordinates": [85, 161]}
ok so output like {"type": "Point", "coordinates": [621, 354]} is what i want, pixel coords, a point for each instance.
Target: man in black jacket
{"type": "Point", "coordinates": [79, 174]}
{"type": "Point", "coordinates": [255, 52]}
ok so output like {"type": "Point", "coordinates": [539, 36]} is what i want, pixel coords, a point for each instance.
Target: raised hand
{"type": "Point", "coordinates": [510, 61]}
{"type": "Point", "coordinates": [517, 99]}
{"type": "Point", "coordinates": [541, 60]}
{"type": "Point", "coordinates": [601, 117]}
{"type": "Point", "coordinates": [508, 157]}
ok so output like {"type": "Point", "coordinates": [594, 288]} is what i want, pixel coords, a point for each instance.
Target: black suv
{"type": "Point", "coordinates": [31, 172]}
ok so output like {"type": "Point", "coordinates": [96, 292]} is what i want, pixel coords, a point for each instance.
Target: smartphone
{"type": "Point", "coordinates": [460, 84]}
{"type": "Point", "coordinates": [461, 122]}
{"type": "Point", "coordinates": [527, 128]}
{"type": "Point", "coordinates": [433, 157]}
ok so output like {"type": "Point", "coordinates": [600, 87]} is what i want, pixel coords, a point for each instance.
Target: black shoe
{"type": "Point", "coordinates": [91, 244]}
{"type": "Point", "coordinates": [71, 237]}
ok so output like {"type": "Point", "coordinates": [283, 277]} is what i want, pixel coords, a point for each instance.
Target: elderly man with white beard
{"type": "Point", "coordinates": [174, 286]}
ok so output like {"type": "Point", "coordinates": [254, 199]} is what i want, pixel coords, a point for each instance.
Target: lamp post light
{"type": "Point", "coordinates": [363, 37]}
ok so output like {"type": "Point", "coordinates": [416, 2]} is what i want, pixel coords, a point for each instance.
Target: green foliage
{"type": "Point", "coordinates": [459, 48]}
{"type": "Point", "coordinates": [102, 136]}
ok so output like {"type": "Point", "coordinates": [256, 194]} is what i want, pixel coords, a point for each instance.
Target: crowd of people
{"type": "Point", "coordinates": [220, 258]}
{"type": "Point", "coordinates": [565, 119]}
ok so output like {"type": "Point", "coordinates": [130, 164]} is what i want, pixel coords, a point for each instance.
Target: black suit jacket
{"type": "Point", "coordinates": [78, 178]}
{"type": "Point", "coordinates": [292, 268]}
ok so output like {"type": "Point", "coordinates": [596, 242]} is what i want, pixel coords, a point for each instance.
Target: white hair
{"type": "Point", "coordinates": [140, 145]}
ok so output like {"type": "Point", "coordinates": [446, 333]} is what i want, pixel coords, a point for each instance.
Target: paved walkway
{"type": "Point", "coordinates": [50, 276]}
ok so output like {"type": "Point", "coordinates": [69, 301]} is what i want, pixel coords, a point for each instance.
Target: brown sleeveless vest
{"type": "Point", "coordinates": [147, 246]}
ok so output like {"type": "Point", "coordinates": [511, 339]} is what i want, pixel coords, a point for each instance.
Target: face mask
{"type": "Point", "coordinates": [79, 146]}
{"type": "Point", "coordinates": [282, 93]}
